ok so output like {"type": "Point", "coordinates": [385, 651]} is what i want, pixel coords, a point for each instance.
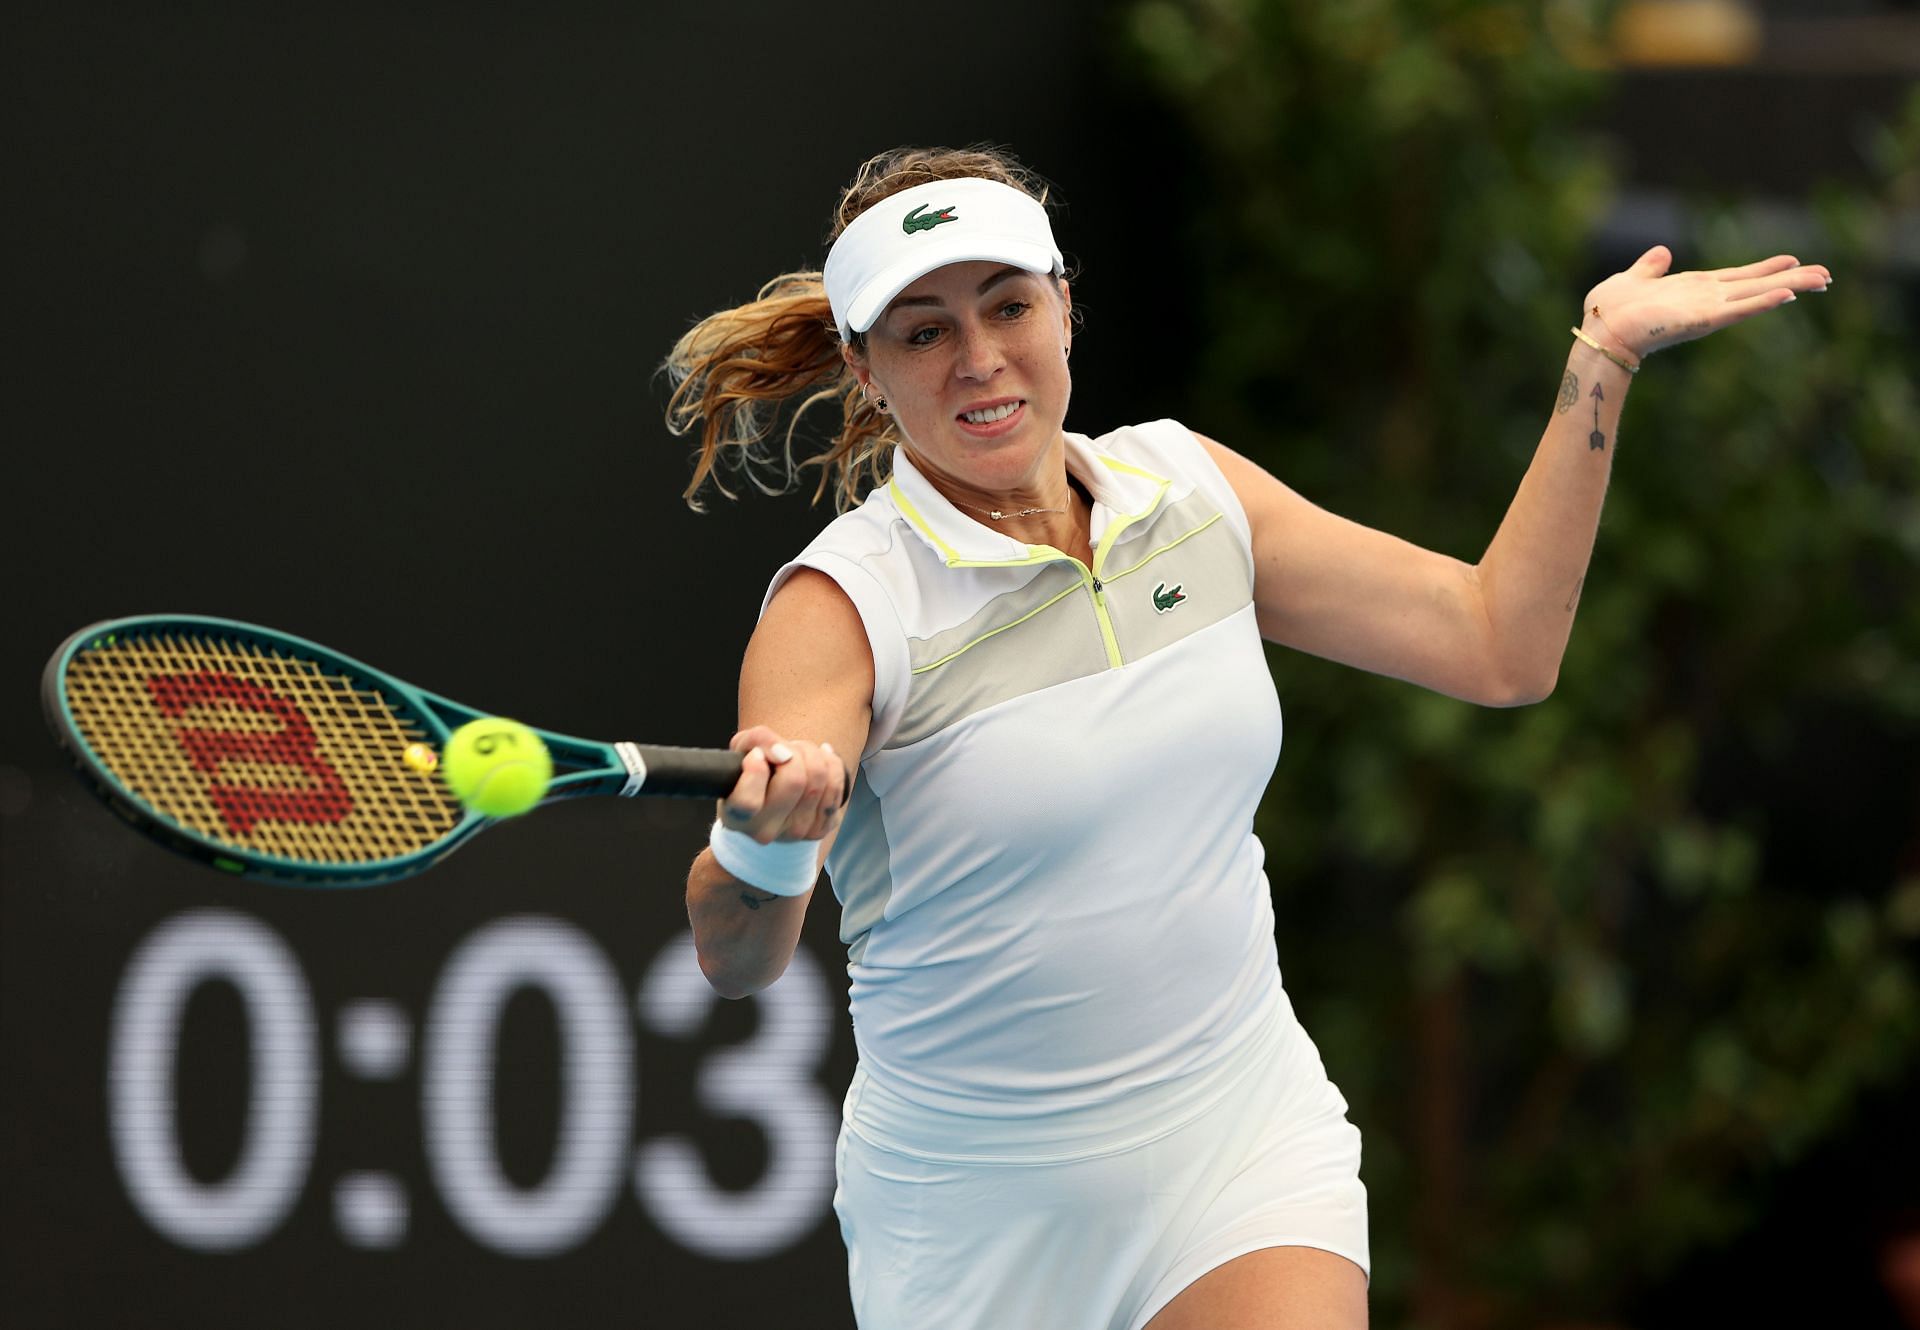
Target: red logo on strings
{"type": "Point", "coordinates": [243, 806]}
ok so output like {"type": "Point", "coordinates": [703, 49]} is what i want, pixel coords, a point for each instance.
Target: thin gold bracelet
{"type": "Point", "coordinates": [1631, 369]}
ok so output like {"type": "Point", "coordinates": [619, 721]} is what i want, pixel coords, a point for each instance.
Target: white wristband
{"type": "Point", "coordinates": [786, 867]}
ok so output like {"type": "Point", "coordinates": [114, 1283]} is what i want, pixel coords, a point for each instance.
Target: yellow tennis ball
{"type": "Point", "coordinates": [496, 766]}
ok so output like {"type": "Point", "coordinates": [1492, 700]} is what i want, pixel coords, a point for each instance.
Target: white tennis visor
{"type": "Point", "coordinates": [907, 235]}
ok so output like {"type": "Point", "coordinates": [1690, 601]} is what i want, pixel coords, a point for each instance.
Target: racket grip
{"type": "Point", "coordinates": [697, 773]}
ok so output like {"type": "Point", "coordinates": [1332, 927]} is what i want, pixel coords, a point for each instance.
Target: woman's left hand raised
{"type": "Point", "coordinates": [1646, 308]}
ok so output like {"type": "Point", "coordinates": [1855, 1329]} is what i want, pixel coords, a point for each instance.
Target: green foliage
{"type": "Point", "coordinates": [1578, 1005]}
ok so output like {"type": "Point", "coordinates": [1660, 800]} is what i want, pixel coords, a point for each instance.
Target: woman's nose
{"type": "Point", "coordinates": [978, 354]}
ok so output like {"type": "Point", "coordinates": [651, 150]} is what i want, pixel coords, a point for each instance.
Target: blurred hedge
{"type": "Point", "coordinates": [1579, 987]}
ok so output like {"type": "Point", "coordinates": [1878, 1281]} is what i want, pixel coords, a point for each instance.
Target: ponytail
{"type": "Point", "coordinates": [734, 371]}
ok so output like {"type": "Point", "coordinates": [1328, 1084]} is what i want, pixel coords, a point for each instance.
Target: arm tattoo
{"type": "Point", "coordinates": [1569, 391]}
{"type": "Point", "coordinates": [1574, 599]}
{"type": "Point", "coordinates": [1597, 440]}
{"type": "Point", "coordinates": [753, 902]}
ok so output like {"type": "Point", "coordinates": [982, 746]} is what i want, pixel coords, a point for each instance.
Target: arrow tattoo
{"type": "Point", "coordinates": [1597, 440]}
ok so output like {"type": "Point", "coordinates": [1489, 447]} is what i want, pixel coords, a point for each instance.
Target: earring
{"type": "Point", "coordinates": [878, 403]}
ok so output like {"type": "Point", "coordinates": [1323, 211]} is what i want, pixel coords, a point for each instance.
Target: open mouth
{"type": "Point", "coordinates": [993, 414]}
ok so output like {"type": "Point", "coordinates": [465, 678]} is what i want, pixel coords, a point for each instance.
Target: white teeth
{"type": "Point", "coordinates": [990, 415]}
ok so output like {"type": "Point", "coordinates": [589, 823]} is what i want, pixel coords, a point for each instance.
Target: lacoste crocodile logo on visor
{"type": "Point", "coordinates": [913, 221]}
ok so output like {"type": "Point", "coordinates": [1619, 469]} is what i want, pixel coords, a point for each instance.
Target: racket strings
{"type": "Point", "coordinates": [256, 749]}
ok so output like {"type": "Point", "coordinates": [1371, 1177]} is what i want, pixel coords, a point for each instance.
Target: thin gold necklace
{"type": "Point", "coordinates": [999, 516]}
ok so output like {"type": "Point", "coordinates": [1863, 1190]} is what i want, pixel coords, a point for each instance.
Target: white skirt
{"type": "Point", "coordinates": [1095, 1220]}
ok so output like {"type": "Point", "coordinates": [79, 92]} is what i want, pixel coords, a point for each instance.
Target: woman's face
{"type": "Point", "coordinates": [972, 339]}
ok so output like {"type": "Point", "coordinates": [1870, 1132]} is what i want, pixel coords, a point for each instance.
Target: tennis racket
{"type": "Point", "coordinates": [275, 758]}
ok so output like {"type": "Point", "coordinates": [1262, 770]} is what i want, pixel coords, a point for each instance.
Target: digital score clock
{"type": "Point", "coordinates": [771, 1080]}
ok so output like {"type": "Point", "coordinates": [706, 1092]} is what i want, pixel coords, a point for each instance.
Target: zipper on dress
{"type": "Point", "coordinates": [1097, 590]}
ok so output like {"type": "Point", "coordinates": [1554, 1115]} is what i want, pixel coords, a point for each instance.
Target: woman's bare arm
{"type": "Point", "coordinates": [806, 703]}
{"type": "Point", "coordinates": [1332, 587]}
{"type": "Point", "coordinates": [1494, 632]}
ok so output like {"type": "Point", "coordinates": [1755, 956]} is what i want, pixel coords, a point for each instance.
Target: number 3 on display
{"type": "Point", "coordinates": [769, 1080]}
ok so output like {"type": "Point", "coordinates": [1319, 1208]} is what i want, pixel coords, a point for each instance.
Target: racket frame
{"type": "Point", "coordinates": [582, 767]}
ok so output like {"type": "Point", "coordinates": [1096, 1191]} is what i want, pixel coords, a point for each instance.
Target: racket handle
{"type": "Point", "coordinates": [697, 773]}
{"type": "Point", "coordinates": [700, 773]}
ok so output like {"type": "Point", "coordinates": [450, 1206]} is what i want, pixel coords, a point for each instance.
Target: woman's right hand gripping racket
{"type": "Point", "coordinates": [277, 759]}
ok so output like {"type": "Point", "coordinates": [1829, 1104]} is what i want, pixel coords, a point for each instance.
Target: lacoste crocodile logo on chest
{"type": "Point", "coordinates": [1164, 600]}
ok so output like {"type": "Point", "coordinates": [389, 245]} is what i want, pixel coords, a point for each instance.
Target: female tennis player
{"type": "Point", "coordinates": [1083, 1101]}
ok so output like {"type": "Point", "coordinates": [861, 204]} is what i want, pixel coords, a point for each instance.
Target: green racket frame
{"type": "Point", "coordinates": [582, 767]}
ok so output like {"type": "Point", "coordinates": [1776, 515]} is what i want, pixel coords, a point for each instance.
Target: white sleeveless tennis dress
{"type": "Point", "coordinates": [1081, 1085]}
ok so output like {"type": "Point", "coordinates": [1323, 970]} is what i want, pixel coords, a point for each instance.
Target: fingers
{"type": "Point", "coordinates": [1757, 303]}
{"type": "Point", "coordinates": [748, 797]}
{"type": "Point", "coordinates": [1763, 268]}
{"type": "Point", "coordinates": [1785, 268]}
{"type": "Point", "coordinates": [1790, 281]}
{"type": "Point", "coordinates": [1685, 306]}
{"type": "Point", "coordinates": [1654, 262]}
{"type": "Point", "coordinates": [788, 789]}
{"type": "Point", "coordinates": [814, 800]}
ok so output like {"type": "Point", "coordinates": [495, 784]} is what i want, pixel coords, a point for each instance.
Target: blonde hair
{"type": "Point", "coordinates": [736, 371]}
